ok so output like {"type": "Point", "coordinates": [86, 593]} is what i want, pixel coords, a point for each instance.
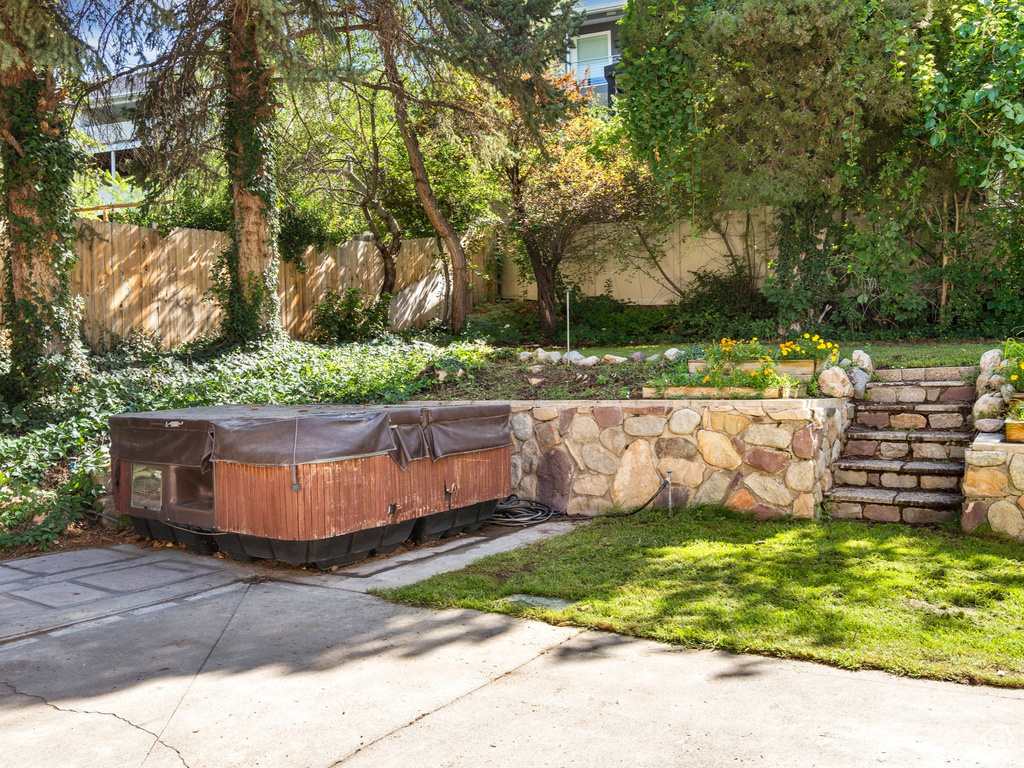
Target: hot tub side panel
{"type": "Point", "coordinates": [340, 497]}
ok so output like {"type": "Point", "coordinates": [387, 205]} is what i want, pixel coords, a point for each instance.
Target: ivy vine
{"type": "Point", "coordinates": [39, 163]}
{"type": "Point", "coordinates": [248, 134]}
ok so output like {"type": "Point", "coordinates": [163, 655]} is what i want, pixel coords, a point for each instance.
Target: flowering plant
{"type": "Point", "coordinates": [1013, 370]}
{"type": "Point", "coordinates": [809, 346]}
{"type": "Point", "coordinates": [805, 347]}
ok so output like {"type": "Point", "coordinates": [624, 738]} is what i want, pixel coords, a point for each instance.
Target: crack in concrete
{"type": "Point", "coordinates": [245, 592]}
{"type": "Point", "coordinates": [157, 740]}
{"type": "Point", "coordinates": [456, 700]}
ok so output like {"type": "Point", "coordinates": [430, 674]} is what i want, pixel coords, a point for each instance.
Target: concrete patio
{"type": "Point", "coordinates": [130, 657]}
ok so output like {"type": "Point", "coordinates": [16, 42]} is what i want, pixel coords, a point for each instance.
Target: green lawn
{"type": "Point", "coordinates": [884, 354]}
{"type": "Point", "coordinates": [910, 601]}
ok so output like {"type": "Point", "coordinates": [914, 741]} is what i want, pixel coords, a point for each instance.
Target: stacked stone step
{"type": "Point", "coordinates": [903, 457]}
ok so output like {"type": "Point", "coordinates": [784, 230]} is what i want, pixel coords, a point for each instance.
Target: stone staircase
{"type": "Point", "coordinates": [902, 457]}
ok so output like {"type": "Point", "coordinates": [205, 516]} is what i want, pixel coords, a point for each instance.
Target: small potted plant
{"type": "Point", "coordinates": [1014, 428]}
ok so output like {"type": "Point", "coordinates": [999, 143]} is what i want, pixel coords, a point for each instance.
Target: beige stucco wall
{"type": "Point", "coordinates": [685, 252]}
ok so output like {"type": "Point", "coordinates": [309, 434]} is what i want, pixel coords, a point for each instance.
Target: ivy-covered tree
{"type": "Point", "coordinates": [42, 53]}
{"type": "Point", "coordinates": [223, 68]}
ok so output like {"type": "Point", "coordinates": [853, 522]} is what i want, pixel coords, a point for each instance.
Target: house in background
{"type": "Point", "coordinates": [107, 120]}
{"type": "Point", "coordinates": [595, 51]}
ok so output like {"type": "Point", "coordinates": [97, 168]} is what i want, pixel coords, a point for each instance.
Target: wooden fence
{"type": "Point", "coordinates": [131, 278]}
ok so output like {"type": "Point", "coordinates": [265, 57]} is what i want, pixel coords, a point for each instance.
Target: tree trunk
{"type": "Point", "coordinates": [388, 257]}
{"type": "Point", "coordinates": [38, 164]}
{"type": "Point", "coordinates": [249, 296]}
{"type": "Point", "coordinates": [547, 301]}
{"type": "Point", "coordinates": [545, 270]}
{"type": "Point", "coordinates": [425, 192]}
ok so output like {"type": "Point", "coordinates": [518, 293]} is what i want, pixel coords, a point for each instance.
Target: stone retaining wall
{"type": "Point", "coordinates": [994, 487]}
{"type": "Point", "coordinates": [770, 458]}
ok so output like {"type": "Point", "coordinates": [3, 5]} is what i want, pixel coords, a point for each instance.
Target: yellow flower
{"type": "Point", "coordinates": [807, 335]}
{"type": "Point", "coordinates": [707, 379]}
{"type": "Point", "coordinates": [1014, 377]}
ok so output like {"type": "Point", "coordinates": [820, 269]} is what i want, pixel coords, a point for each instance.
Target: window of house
{"type": "Point", "coordinates": [593, 53]}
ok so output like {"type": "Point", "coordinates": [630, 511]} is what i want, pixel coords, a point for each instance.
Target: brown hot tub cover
{"type": "Point", "coordinates": [277, 435]}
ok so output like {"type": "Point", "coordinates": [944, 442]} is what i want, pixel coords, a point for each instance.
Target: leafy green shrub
{"type": "Point", "coordinates": [354, 315]}
{"type": "Point", "coordinates": [504, 322]}
{"type": "Point", "coordinates": [717, 304]}
{"type": "Point", "coordinates": [605, 320]}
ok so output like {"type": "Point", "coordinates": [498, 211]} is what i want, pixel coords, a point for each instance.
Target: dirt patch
{"type": "Point", "coordinates": [513, 380]}
{"type": "Point", "coordinates": [86, 533]}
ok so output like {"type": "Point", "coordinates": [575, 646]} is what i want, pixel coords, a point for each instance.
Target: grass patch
{"type": "Point", "coordinates": [885, 354]}
{"type": "Point", "coordinates": [909, 601]}
{"type": "Point", "coordinates": [920, 354]}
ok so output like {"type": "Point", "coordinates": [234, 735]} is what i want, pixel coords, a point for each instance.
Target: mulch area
{"type": "Point", "coordinates": [513, 380]}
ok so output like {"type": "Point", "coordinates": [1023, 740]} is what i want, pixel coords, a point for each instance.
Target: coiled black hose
{"type": "Point", "coordinates": [515, 511]}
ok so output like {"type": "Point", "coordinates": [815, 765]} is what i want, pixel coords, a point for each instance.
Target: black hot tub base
{"type": "Point", "coordinates": [325, 553]}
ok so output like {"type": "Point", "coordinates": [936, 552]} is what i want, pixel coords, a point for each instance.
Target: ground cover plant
{"type": "Point", "coordinates": [51, 450]}
{"type": "Point", "coordinates": [917, 602]}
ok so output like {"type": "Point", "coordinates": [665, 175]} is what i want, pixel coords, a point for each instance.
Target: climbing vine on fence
{"type": "Point", "coordinates": [39, 163]}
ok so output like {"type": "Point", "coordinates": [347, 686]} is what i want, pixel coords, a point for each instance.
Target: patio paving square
{"type": "Point", "coordinates": [139, 577]}
{"type": "Point", "coordinates": [60, 562]}
{"type": "Point", "coordinates": [7, 575]}
{"type": "Point", "coordinates": [60, 594]}
{"type": "Point", "coordinates": [12, 609]}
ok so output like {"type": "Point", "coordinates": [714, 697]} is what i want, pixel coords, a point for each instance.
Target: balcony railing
{"type": "Point", "coordinates": [591, 70]}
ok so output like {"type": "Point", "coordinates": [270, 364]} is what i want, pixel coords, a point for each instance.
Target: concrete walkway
{"type": "Point", "coordinates": [174, 660]}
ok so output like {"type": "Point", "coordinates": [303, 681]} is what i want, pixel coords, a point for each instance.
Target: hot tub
{"type": "Point", "coordinates": [324, 484]}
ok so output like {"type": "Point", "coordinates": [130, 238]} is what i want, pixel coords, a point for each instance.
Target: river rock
{"type": "Point", "coordinates": [684, 421]}
{"type": "Point", "coordinates": [554, 478]}
{"type": "Point", "coordinates": [1005, 517]}
{"type": "Point", "coordinates": [718, 450]}
{"type": "Point", "coordinates": [638, 357]}
{"type": "Point", "coordinates": [991, 360]}
{"type": "Point", "coordinates": [989, 426]}
{"type": "Point", "coordinates": [988, 407]}
{"type": "Point", "coordinates": [522, 425]}
{"type": "Point", "coordinates": [599, 459]}
{"type": "Point", "coordinates": [1017, 471]}
{"type": "Point", "coordinates": [614, 359]}
{"type": "Point", "coordinates": [863, 360]}
{"type": "Point", "coordinates": [859, 377]}
{"type": "Point", "coordinates": [672, 354]}
{"type": "Point", "coordinates": [833, 383]}
{"type": "Point", "coordinates": [769, 489]}
{"type": "Point", "coordinates": [637, 480]}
